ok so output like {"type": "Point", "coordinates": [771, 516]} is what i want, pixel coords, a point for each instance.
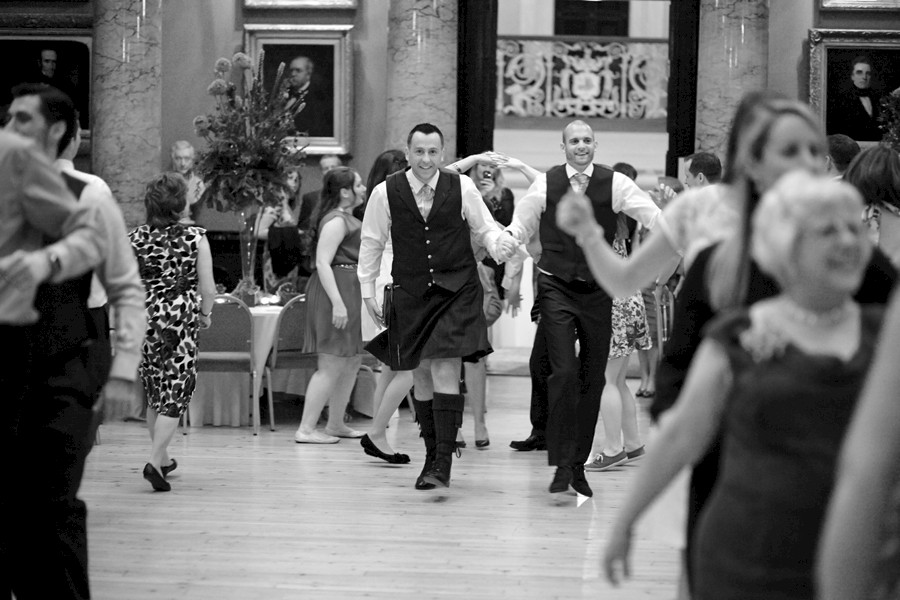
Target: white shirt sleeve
{"type": "Point", "coordinates": [527, 214]}
{"type": "Point", "coordinates": [627, 197]}
{"type": "Point", "coordinates": [375, 232]}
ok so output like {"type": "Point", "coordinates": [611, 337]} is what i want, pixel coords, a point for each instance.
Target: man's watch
{"type": "Point", "coordinates": [55, 264]}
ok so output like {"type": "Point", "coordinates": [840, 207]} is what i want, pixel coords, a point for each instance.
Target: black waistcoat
{"type": "Point", "coordinates": [64, 322]}
{"type": "Point", "coordinates": [433, 252]}
{"type": "Point", "coordinates": [560, 254]}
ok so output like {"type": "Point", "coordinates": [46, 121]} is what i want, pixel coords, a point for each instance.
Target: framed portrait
{"type": "Point", "coordinates": [850, 71]}
{"type": "Point", "coordinates": [300, 3]}
{"type": "Point", "coordinates": [859, 4]}
{"type": "Point", "coordinates": [59, 58]}
{"type": "Point", "coordinates": [317, 60]}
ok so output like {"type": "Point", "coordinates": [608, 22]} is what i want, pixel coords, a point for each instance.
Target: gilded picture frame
{"type": "Point", "coordinates": [300, 3]}
{"type": "Point", "coordinates": [832, 57]}
{"type": "Point", "coordinates": [327, 116]}
{"type": "Point", "coordinates": [859, 4]}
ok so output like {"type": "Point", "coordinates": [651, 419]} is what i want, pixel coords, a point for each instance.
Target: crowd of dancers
{"type": "Point", "coordinates": [775, 388]}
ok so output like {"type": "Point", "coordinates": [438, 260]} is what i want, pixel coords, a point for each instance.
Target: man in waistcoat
{"type": "Point", "coordinates": [56, 426]}
{"type": "Point", "coordinates": [433, 313]}
{"type": "Point", "coordinates": [573, 307]}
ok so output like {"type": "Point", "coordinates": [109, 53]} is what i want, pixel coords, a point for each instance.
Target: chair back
{"type": "Point", "coordinates": [291, 329]}
{"type": "Point", "coordinates": [231, 329]}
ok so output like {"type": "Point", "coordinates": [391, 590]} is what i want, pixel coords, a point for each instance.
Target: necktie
{"type": "Point", "coordinates": [579, 182]}
{"type": "Point", "coordinates": [426, 197]}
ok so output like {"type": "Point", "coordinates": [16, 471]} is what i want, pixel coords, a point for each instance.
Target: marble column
{"type": "Point", "coordinates": [421, 81]}
{"type": "Point", "coordinates": [126, 132]}
{"type": "Point", "coordinates": [732, 60]}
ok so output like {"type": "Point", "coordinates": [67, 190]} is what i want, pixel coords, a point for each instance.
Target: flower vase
{"type": "Point", "coordinates": [247, 289]}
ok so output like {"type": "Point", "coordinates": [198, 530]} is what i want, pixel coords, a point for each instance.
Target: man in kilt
{"type": "Point", "coordinates": [433, 310]}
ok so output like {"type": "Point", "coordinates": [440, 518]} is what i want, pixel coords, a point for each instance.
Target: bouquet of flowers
{"type": "Point", "coordinates": [890, 119]}
{"type": "Point", "coordinates": [250, 137]}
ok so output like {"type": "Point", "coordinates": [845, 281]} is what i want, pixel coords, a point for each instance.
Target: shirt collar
{"type": "Point", "coordinates": [571, 171]}
{"type": "Point", "coordinates": [416, 185]}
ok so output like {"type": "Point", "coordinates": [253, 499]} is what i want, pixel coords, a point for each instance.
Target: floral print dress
{"type": "Point", "coordinates": [167, 259]}
{"type": "Point", "coordinates": [629, 319]}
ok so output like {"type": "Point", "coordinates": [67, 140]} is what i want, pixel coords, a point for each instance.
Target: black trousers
{"type": "Point", "coordinates": [49, 436]}
{"type": "Point", "coordinates": [539, 370]}
{"type": "Point", "coordinates": [573, 311]}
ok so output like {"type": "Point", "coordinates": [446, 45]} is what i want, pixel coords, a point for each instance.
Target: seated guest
{"type": "Point", "coordinates": [842, 150]}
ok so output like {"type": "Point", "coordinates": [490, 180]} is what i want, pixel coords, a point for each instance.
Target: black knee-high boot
{"type": "Point", "coordinates": [425, 417]}
{"type": "Point", "coordinates": [448, 411]}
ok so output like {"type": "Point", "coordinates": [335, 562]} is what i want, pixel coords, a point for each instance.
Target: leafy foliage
{"type": "Point", "coordinates": [890, 120]}
{"type": "Point", "coordinates": [250, 137]}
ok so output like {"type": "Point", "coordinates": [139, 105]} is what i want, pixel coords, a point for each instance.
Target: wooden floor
{"type": "Point", "coordinates": [263, 517]}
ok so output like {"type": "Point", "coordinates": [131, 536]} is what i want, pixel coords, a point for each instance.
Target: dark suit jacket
{"type": "Point", "coordinates": [317, 117]}
{"type": "Point", "coordinates": [847, 115]}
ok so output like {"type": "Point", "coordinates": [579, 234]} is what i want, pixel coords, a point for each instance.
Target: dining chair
{"type": "Point", "coordinates": [287, 348]}
{"type": "Point", "coordinates": [227, 346]}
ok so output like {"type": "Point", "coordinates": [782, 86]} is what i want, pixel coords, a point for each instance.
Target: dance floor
{"type": "Point", "coordinates": [264, 517]}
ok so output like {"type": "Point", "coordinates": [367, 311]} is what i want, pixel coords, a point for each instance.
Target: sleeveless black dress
{"type": "Point", "coordinates": [783, 426]}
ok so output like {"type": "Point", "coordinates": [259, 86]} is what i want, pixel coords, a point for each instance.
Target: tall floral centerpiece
{"type": "Point", "coordinates": [890, 119]}
{"type": "Point", "coordinates": [250, 143]}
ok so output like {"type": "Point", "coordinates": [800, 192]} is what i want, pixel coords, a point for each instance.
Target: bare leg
{"type": "Point", "coordinates": [321, 386]}
{"type": "Point", "coordinates": [644, 360]}
{"type": "Point", "coordinates": [162, 430]}
{"type": "Point", "coordinates": [653, 360]}
{"type": "Point", "coordinates": [630, 433]}
{"type": "Point", "coordinates": [476, 384]}
{"type": "Point", "coordinates": [340, 397]}
{"type": "Point", "coordinates": [392, 394]}
{"type": "Point", "coordinates": [611, 408]}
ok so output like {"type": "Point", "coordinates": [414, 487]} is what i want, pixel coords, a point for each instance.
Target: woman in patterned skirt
{"type": "Point", "coordinates": [333, 308]}
{"type": "Point", "coordinates": [176, 267]}
{"type": "Point", "coordinates": [618, 408]}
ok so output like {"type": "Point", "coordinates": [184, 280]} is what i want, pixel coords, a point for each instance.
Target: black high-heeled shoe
{"type": "Point", "coordinates": [156, 479]}
{"type": "Point", "coordinates": [371, 449]}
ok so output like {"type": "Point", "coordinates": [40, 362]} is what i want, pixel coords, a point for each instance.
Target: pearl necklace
{"type": "Point", "coordinates": [815, 318]}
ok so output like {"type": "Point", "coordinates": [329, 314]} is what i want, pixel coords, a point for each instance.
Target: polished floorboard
{"type": "Point", "coordinates": [263, 517]}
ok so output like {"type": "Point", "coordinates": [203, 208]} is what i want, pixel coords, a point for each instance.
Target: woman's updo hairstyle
{"type": "Point", "coordinates": [165, 199]}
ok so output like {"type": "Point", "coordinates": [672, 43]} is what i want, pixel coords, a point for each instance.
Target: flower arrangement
{"type": "Point", "coordinates": [890, 120]}
{"type": "Point", "coordinates": [250, 137]}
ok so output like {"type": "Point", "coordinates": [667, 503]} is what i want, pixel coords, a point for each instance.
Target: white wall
{"type": "Point", "coordinates": [525, 17]}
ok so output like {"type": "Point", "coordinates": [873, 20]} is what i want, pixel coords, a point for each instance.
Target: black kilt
{"type": "Point", "coordinates": [442, 324]}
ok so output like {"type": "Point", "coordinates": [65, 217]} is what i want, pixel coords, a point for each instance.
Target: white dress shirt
{"type": "Point", "coordinates": [627, 197]}
{"type": "Point", "coordinates": [376, 225]}
{"type": "Point", "coordinates": [116, 280]}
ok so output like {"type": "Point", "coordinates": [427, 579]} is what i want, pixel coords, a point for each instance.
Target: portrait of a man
{"type": "Point", "coordinates": [62, 63]}
{"type": "Point", "coordinates": [309, 71]}
{"type": "Point", "coordinates": [857, 82]}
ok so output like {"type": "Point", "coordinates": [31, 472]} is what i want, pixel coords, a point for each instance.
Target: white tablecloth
{"type": "Point", "coordinates": [224, 398]}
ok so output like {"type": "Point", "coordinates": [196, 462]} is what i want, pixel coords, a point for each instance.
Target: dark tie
{"type": "Point", "coordinates": [579, 182]}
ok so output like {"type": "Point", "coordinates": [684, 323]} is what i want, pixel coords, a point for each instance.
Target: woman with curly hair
{"type": "Point", "coordinates": [176, 267]}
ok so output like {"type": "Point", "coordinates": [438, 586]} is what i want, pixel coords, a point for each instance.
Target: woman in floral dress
{"type": "Point", "coordinates": [618, 408]}
{"type": "Point", "coordinates": [176, 267]}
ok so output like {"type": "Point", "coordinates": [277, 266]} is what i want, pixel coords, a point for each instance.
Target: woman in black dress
{"type": "Point", "coordinates": [779, 379]}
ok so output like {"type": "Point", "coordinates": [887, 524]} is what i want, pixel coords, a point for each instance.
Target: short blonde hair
{"type": "Point", "coordinates": [783, 212]}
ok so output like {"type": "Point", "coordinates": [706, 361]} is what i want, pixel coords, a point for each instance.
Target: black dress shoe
{"type": "Point", "coordinates": [532, 442]}
{"type": "Point", "coordinates": [166, 469]}
{"type": "Point", "coordinates": [579, 481]}
{"type": "Point", "coordinates": [156, 479]}
{"type": "Point", "coordinates": [482, 443]}
{"type": "Point", "coordinates": [371, 449]}
{"type": "Point", "coordinates": [421, 484]}
{"type": "Point", "coordinates": [561, 480]}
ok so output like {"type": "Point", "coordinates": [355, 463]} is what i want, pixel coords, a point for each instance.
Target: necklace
{"type": "Point", "coordinates": [815, 318]}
